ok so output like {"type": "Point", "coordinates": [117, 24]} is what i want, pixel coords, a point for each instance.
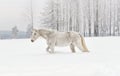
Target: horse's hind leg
{"type": "Point", "coordinates": [72, 47]}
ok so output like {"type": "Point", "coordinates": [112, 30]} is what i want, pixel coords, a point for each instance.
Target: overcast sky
{"type": "Point", "coordinates": [13, 13]}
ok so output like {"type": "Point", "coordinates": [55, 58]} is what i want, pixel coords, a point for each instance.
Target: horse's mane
{"type": "Point", "coordinates": [45, 31]}
{"type": "Point", "coordinates": [50, 30]}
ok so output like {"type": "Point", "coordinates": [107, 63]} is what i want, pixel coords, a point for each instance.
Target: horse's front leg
{"type": "Point", "coordinates": [47, 49]}
{"type": "Point", "coordinates": [50, 47]}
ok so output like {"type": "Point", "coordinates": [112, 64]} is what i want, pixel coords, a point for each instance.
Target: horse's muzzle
{"type": "Point", "coordinates": [32, 40]}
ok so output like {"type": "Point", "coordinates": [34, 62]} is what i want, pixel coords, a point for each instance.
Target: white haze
{"type": "Point", "coordinates": [14, 13]}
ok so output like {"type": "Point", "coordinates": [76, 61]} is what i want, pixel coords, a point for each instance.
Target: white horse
{"type": "Point", "coordinates": [55, 38]}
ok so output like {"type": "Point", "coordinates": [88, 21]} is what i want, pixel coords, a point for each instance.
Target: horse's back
{"type": "Point", "coordinates": [65, 38]}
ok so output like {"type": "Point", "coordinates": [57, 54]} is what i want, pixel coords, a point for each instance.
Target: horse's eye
{"type": "Point", "coordinates": [34, 33]}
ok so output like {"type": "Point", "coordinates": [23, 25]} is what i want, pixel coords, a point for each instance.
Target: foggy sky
{"type": "Point", "coordinates": [14, 13]}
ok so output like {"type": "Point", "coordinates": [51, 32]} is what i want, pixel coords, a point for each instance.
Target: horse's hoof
{"type": "Point", "coordinates": [86, 51]}
{"type": "Point", "coordinates": [73, 52]}
{"type": "Point", "coordinates": [50, 52]}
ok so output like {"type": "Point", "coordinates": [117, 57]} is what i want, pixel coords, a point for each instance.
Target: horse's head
{"type": "Point", "coordinates": [35, 35]}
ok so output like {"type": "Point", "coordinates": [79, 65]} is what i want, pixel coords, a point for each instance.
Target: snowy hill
{"type": "Point", "coordinates": [8, 34]}
{"type": "Point", "coordinates": [22, 58]}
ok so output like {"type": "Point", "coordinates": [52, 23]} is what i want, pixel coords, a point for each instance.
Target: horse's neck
{"type": "Point", "coordinates": [45, 33]}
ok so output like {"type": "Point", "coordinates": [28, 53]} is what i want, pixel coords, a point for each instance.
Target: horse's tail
{"type": "Point", "coordinates": [83, 44]}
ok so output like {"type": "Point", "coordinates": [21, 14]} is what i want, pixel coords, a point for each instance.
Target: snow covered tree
{"type": "Point", "coordinates": [29, 13]}
{"type": "Point", "coordinates": [29, 30]}
{"type": "Point", "coordinates": [89, 17]}
{"type": "Point", "coordinates": [96, 26]}
{"type": "Point", "coordinates": [14, 32]}
{"type": "Point", "coordinates": [48, 19]}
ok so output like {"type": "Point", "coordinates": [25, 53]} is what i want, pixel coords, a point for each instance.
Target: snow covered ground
{"type": "Point", "coordinates": [22, 58]}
